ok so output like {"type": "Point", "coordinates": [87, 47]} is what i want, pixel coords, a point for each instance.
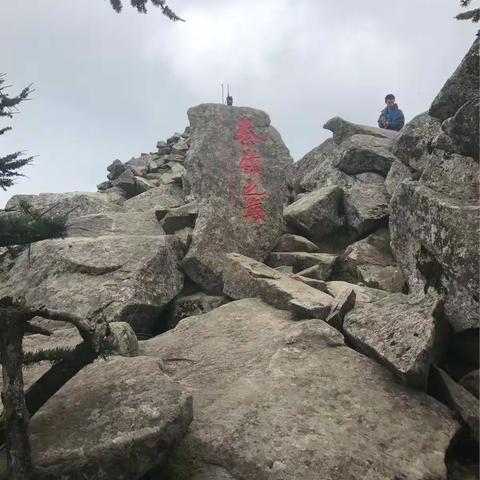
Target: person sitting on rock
{"type": "Point", "coordinates": [391, 117]}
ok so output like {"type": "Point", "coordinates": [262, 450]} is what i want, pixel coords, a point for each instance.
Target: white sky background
{"type": "Point", "coordinates": [110, 85]}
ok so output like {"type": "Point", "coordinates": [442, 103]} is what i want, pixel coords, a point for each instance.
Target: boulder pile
{"type": "Point", "coordinates": [316, 319]}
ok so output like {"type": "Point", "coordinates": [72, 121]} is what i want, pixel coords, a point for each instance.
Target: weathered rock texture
{"type": "Point", "coordinates": [114, 419]}
{"type": "Point", "coordinates": [434, 228]}
{"type": "Point", "coordinates": [281, 400]}
{"type": "Point", "coordinates": [403, 332]}
{"type": "Point", "coordinates": [125, 278]}
{"type": "Point", "coordinates": [245, 277]}
{"type": "Point", "coordinates": [370, 261]}
{"type": "Point", "coordinates": [218, 179]}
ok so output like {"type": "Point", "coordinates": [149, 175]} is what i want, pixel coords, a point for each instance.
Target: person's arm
{"type": "Point", "coordinates": [381, 121]}
{"type": "Point", "coordinates": [399, 123]}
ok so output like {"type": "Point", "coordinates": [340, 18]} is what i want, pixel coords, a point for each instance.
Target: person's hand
{"type": "Point", "coordinates": [386, 123]}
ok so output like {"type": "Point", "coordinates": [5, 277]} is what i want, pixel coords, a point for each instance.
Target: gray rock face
{"type": "Point", "coordinates": [302, 260]}
{"type": "Point", "coordinates": [246, 278]}
{"type": "Point", "coordinates": [413, 142]}
{"type": "Point", "coordinates": [435, 240]}
{"type": "Point", "coordinates": [280, 400]}
{"type": "Point", "coordinates": [460, 400]}
{"type": "Point", "coordinates": [115, 169]}
{"type": "Point", "coordinates": [402, 332]}
{"type": "Point", "coordinates": [453, 175]}
{"type": "Point", "coordinates": [339, 289]}
{"type": "Point", "coordinates": [114, 419]}
{"type": "Point", "coordinates": [366, 207]}
{"type": "Point", "coordinates": [460, 87]}
{"type": "Point", "coordinates": [398, 173]}
{"type": "Point", "coordinates": [366, 153]}
{"type": "Point", "coordinates": [72, 204]}
{"type": "Point", "coordinates": [342, 130]}
{"type": "Point", "coordinates": [317, 214]}
{"type": "Point", "coordinates": [108, 224]}
{"type": "Point", "coordinates": [237, 170]}
{"type": "Point", "coordinates": [470, 382]}
{"type": "Point", "coordinates": [370, 261]}
{"type": "Point", "coordinates": [317, 169]}
{"type": "Point", "coordinates": [127, 278]}
{"type": "Point", "coordinates": [159, 198]}
{"type": "Point", "coordinates": [295, 243]}
{"type": "Point", "coordinates": [123, 339]}
{"type": "Point", "coordinates": [463, 128]}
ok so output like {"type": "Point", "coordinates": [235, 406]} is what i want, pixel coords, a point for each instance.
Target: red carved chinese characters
{"type": "Point", "coordinates": [250, 165]}
{"type": "Point", "coordinates": [245, 135]}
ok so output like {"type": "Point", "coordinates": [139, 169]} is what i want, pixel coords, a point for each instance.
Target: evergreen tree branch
{"type": "Point", "coordinates": [473, 15]}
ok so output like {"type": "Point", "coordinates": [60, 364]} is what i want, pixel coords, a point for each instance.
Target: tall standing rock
{"type": "Point", "coordinates": [237, 170]}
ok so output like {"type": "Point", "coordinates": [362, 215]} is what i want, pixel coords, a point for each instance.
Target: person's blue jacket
{"type": "Point", "coordinates": [393, 116]}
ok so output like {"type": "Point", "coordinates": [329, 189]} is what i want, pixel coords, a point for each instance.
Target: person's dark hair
{"type": "Point", "coordinates": [390, 96]}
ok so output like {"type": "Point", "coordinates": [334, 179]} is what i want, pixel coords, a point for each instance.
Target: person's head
{"type": "Point", "coordinates": [390, 100]}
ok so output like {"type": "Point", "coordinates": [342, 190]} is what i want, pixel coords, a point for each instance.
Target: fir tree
{"type": "Point", "coordinates": [11, 163]}
{"type": "Point", "coordinates": [473, 15]}
{"type": "Point", "coordinates": [141, 6]}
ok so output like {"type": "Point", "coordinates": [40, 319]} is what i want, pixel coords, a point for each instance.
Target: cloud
{"type": "Point", "coordinates": [109, 86]}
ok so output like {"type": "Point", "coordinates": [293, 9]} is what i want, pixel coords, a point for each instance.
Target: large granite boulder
{"type": "Point", "coordinates": [317, 214]}
{"type": "Point", "coordinates": [238, 170]}
{"type": "Point", "coordinates": [434, 226]}
{"type": "Point", "coordinates": [460, 87]}
{"type": "Point", "coordinates": [370, 261]}
{"type": "Point", "coordinates": [115, 419]}
{"type": "Point", "coordinates": [71, 204]}
{"type": "Point", "coordinates": [342, 129]}
{"type": "Point", "coordinates": [366, 207]}
{"type": "Point", "coordinates": [462, 129]}
{"type": "Point", "coordinates": [366, 153]}
{"type": "Point", "coordinates": [414, 141]}
{"type": "Point", "coordinates": [281, 400]}
{"type": "Point", "coordinates": [398, 173]}
{"type": "Point", "coordinates": [318, 169]}
{"type": "Point", "coordinates": [403, 332]}
{"type": "Point", "coordinates": [125, 278]}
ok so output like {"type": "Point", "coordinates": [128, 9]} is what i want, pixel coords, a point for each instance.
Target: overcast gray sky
{"type": "Point", "coordinates": [110, 85]}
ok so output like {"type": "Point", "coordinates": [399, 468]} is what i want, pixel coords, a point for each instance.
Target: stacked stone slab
{"type": "Point", "coordinates": [149, 170]}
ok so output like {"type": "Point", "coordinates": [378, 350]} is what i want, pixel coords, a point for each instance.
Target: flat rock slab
{"type": "Point", "coordinates": [295, 243]}
{"type": "Point", "coordinates": [342, 129]}
{"type": "Point", "coordinates": [302, 260]}
{"type": "Point", "coordinates": [127, 278]}
{"type": "Point", "coordinates": [238, 170]}
{"type": "Point", "coordinates": [459, 399]}
{"type": "Point", "coordinates": [71, 204]}
{"type": "Point", "coordinates": [159, 198]}
{"type": "Point", "coordinates": [403, 332]}
{"type": "Point", "coordinates": [114, 419]}
{"type": "Point", "coordinates": [338, 288]}
{"type": "Point", "coordinates": [245, 277]}
{"type": "Point", "coordinates": [317, 214]}
{"type": "Point", "coordinates": [280, 400]}
{"type": "Point", "coordinates": [115, 223]}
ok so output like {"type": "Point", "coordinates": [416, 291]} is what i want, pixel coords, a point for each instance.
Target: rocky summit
{"type": "Point", "coordinates": [267, 319]}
